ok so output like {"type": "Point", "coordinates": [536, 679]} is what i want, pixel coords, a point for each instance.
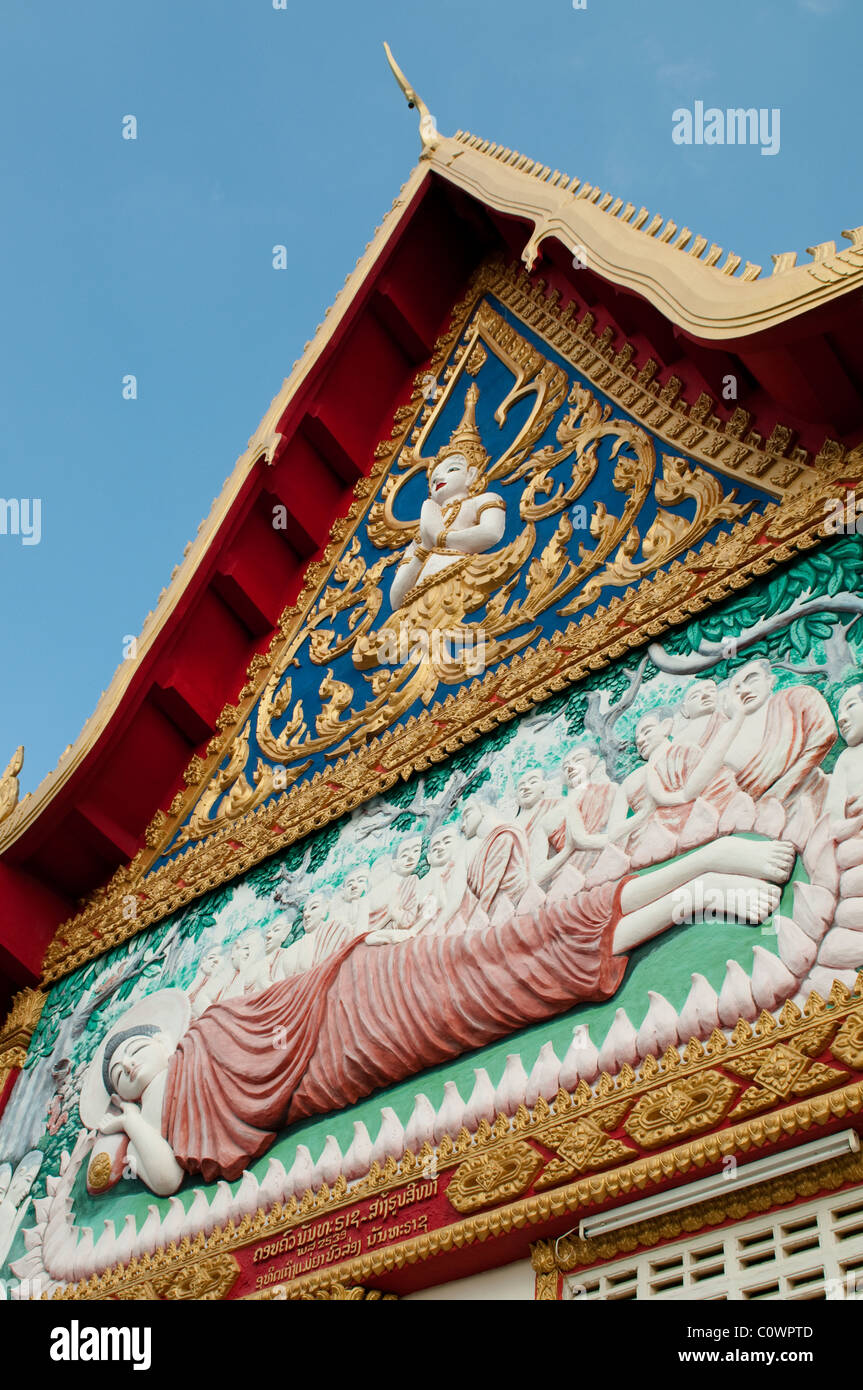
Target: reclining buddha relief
{"type": "Point", "coordinates": [672, 846]}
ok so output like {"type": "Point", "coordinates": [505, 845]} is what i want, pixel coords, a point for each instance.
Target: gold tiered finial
{"type": "Point", "coordinates": [428, 126]}
{"type": "Point", "coordinates": [9, 784]}
{"type": "Point", "coordinates": [465, 438]}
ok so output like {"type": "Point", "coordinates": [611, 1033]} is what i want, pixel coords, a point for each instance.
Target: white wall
{"type": "Point", "coordinates": [507, 1283]}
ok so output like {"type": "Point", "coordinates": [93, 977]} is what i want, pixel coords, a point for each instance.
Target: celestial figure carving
{"type": "Point", "coordinates": [458, 518]}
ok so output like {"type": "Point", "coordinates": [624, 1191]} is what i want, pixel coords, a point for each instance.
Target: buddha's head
{"type": "Point", "coordinates": [134, 1058]}
{"type": "Point", "coordinates": [408, 855]}
{"type": "Point", "coordinates": [849, 716]}
{"type": "Point", "coordinates": [314, 912]}
{"type": "Point", "coordinates": [530, 787]}
{"type": "Point", "coordinates": [651, 731]}
{"type": "Point", "coordinates": [751, 686]}
{"type": "Point", "coordinates": [699, 699]}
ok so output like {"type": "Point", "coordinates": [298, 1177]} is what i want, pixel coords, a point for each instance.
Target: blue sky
{"type": "Point", "coordinates": [259, 126]}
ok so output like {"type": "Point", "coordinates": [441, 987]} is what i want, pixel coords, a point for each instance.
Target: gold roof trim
{"type": "Point", "coordinates": [675, 271]}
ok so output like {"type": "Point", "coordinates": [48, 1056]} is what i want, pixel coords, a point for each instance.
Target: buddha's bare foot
{"type": "Point", "coordinates": [766, 859]}
{"type": "Point", "coordinates": [735, 898]}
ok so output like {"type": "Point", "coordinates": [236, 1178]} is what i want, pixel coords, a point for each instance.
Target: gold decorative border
{"type": "Point", "coordinates": [750, 550]}
{"type": "Point", "coordinates": [843, 1010]}
{"type": "Point", "coordinates": [18, 1029]}
{"type": "Point", "coordinates": [553, 1258]}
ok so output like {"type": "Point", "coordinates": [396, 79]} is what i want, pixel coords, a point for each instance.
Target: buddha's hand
{"type": "Point", "coordinates": [114, 1124]}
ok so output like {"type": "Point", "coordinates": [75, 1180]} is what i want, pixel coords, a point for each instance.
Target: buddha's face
{"type": "Point", "coordinates": [137, 1062]}
{"type": "Point", "coordinates": [355, 885]}
{"type": "Point", "coordinates": [471, 819]}
{"type": "Point", "coordinates": [211, 961]}
{"type": "Point", "coordinates": [751, 686]}
{"type": "Point", "coordinates": [408, 855]}
{"type": "Point", "coordinates": [442, 847]}
{"type": "Point", "coordinates": [314, 912]}
{"type": "Point", "coordinates": [700, 699]}
{"type": "Point", "coordinates": [650, 733]}
{"type": "Point", "coordinates": [531, 785]}
{"type": "Point", "coordinates": [849, 716]}
{"type": "Point", "coordinates": [451, 478]}
{"type": "Point", "coordinates": [275, 934]}
{"type": "Point", "coordinates": [578, 766]}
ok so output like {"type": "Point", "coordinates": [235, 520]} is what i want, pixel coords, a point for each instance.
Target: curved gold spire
{"type": "Point", "coordinates": [428, 127]}
{"type": "Point", "coordinates": [9, 784]}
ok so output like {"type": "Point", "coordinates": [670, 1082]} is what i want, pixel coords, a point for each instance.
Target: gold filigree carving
{"type": "Point", "coordinates": [848, 1043]}
{"type": "Point", "coordinates": [486, 1179]}
{"type": "Point", "coordinates": [685, 1106]}
{"type": "Point", "coordinates": [18, 1029]}
{"type": "Point", "coordinates": [99, 1173]}
{"type": "Point", "coordinates": [584, 1145]}
{"type": "Point", "coordinates": [206, 1281]}
{"type": "Point", "coordinates": [785, 1069]}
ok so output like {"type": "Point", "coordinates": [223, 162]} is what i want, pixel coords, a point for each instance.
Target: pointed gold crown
{"type": "Point", "coordinates": [466, 439]}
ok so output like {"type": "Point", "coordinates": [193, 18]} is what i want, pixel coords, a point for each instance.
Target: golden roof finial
{"type": "Point", "coordinates": [9, 784]}
{"type": "Point", "coordinates": [428, 126]}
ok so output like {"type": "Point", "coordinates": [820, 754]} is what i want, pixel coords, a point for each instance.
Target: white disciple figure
{"type": "Point", "coordinates": [16, 1199]}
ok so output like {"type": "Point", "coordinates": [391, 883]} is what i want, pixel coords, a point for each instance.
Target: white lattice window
{"type": "Point", "coordinates": [814, 1250]}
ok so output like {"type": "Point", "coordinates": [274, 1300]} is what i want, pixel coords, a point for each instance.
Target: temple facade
{"type": "Point", "coordinates": [460, 895]}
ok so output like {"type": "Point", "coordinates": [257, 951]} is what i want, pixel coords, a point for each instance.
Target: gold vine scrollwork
{"type": "Point", "coordinates": [398, 668]}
